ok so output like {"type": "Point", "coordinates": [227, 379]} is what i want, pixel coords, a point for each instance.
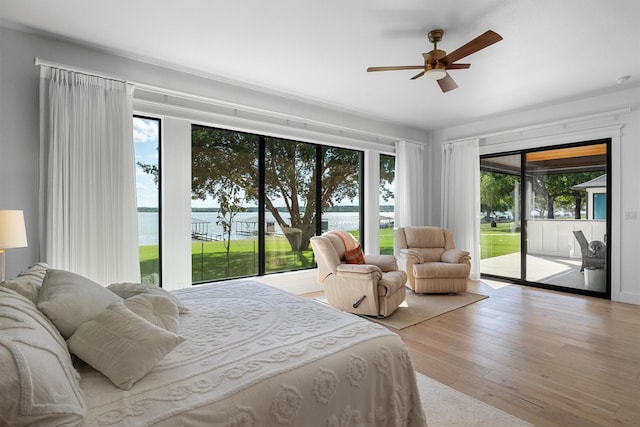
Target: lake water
{"type": "Point", "coordinates": [148, 224]}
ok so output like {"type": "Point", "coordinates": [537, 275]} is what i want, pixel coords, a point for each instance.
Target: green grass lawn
{"type": "Point", "coordinates": [209, 260]}
{"type": "Point", "coordinates": [499, 240]}
{"type": "Point", "coordinates": [386, 240]}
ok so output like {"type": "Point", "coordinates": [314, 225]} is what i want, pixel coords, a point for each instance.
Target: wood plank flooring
{"type": "Point", "coordinates": [550, 358]}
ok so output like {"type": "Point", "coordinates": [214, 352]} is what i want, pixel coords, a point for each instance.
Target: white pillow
{"type": "Point", "coordinates": [122, 345]}
{"type": "Point", "coordinates": [38, 383]}
{"type": "Point", "coordinates": [28, 282]}
{"type": "Point", "coordinates": [69, 300]}
{"type": "Point", "coordinates": [156, 309]}
{"type": "Point", "coordinates": [127, 290]}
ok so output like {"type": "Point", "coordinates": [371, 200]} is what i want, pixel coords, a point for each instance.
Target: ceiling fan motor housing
{"type": "Point", "coordinates": [435, 36]}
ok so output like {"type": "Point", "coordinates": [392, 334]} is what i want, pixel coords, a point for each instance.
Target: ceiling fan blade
{"type": "Point", "coordinates": [401, 67]}
{"type": "Point", "coordinates": [458, 66]}
{"type": "Point", "coordinates": [480, 42]}
{"type": "Point", "coordinates": [420, 74]}
{"type": "Point", "coordinates": [446, 83]}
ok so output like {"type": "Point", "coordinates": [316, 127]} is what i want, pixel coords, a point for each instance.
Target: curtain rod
{"type": "Point", "coordinates": [604, 114]}
{"type": "Point", "coordinates": [41, 62]}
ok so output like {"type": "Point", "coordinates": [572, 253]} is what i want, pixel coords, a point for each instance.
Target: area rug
{"type": "Point", "coordinates": [446, 407]}
{"type": "Point", "coordinates": [417, 308]}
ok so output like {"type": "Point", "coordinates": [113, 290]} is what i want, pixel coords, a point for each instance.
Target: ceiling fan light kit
{"type": "Point", "coordinates": [436, 73]}
{"type": "Point", "coordinates": [437, 62]}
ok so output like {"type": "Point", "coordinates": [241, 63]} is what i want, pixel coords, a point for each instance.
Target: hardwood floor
{"type": "Point", "coordinates": [550, 358]}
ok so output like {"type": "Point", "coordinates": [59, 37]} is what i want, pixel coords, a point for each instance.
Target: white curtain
{"type": "Point", "coordinates": [88, 194]}
{"type": "Point", "coordinates": [410, 189]}
{"type": "Point", "coordinates": [461, 197]}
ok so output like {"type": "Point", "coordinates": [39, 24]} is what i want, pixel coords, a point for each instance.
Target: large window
{"type": "Point", "coordinates": [289, 203]}
{"type": "Point", "coordinates": [257, 201]}
{"type": "Point", "coordinates": [224, 189]}
{"type": "Point", "coordinates": [387, 202]}
{"type": "Point", "coordinates": [146, 139]}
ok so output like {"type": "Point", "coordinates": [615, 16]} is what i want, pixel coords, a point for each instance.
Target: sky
{"type": "Point", "coordinates": [145, 140]}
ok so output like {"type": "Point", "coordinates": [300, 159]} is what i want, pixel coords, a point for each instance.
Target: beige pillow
{"type": "Point", "coordinates": [127, 290]}
{"type": "Point", "coordinates": [28, 282]}
{"type": "Point", "coordinates": [156, 309]}
{"type": "Point", "coordinates": [69, 300]}
{"type": "Point", "coordinates": [38, 383]}
{"type": "Point", "coordinates": [122, 345]}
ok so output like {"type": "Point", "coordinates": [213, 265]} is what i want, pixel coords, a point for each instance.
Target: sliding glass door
{"type": "Point", "coordinates": [567, 227]}
{"type": "Point", "coordinates": [559, 232]}
{"type": "Point", "coordinates": [500, 218]}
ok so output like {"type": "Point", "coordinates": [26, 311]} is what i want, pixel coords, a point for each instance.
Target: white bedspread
{"type": "Point", "coordinates": [259, 356]}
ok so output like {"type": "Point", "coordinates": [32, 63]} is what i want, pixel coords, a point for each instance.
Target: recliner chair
{"type": "Point", "coordinates": [429, 257]}
{"type": "Point", "coordinates": [375, 288]}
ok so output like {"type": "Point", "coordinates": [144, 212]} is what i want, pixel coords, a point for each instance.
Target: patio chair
{"type": "Point", "coordinates": [594, 254]}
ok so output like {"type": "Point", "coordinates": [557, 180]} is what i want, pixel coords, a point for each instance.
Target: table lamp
{"type": "Point", "coordinates": [12, 234]}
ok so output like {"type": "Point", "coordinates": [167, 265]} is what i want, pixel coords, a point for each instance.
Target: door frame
{"type": "Point", "coordinates": [523, 208]}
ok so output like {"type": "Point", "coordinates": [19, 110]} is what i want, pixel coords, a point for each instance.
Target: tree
{"type": "Point", "coordinates": [214, 153]}
{"type": "Point", "coordinates": [387, 176]}
{"type": "Point", "coordinates": [496, 191]}
{"type": "Point", "coordinates": [290, 178]}
{"type": "Point", "coordinates": [231, 201]}
{"type": "Point", "coordinates": [221, 157]}
{"type": "Point", "coordinates": [557, 187]}
{"type": "Point", "coordinates": [543, 201]}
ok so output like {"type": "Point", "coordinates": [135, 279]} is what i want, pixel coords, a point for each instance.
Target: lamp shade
{"type": "Point", "coordinates": [12, 230]}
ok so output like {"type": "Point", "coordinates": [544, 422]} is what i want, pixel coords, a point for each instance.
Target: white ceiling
{"type": "Point", "coordinates": [320, 49]}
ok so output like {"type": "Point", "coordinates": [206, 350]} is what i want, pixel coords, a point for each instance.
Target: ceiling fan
{"type": "Point", "coordinates": [437, 62]}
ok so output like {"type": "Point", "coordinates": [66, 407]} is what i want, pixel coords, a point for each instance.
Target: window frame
{"type": "Point", "coordinates": [159, 121]}
{"type": "Point", "coordinates": [262, 140]}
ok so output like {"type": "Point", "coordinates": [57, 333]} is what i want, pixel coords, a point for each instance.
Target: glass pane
{"type": "Point", "coordinates": [146, 140]}
{"type": "Point", "coordinates": [341, 189]}
{"type": "Point", "coordinates": [224, 208]}
{"type": "Point", "coordinates": [290, 204]}
{"type": "Point", "coordinates": [226, 226]}
{"type": "Point", "coordinates": [500, 216]}
{"type": "Point", "coordinates": [387, 203]}
{"type": "Point", "coordinates": [566, 230]}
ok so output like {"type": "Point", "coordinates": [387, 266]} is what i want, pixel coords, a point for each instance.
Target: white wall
{"type": "Point", "coordinates": [573, 121]}
{"type": "Point", "coordinates": [554, 237]}
{"type": "Point", "coordinates": [184, 97]}
{"type": "Point", "coordinates": [19, 145]}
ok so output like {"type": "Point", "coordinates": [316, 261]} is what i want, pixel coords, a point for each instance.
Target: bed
{"type": "Point", "coordinates": [246, 354]}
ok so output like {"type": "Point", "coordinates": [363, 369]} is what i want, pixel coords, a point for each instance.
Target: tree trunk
{"type": "Point", "coordinates": [550, 201]}
{"type": "Point", "coordinates": [577, 214]}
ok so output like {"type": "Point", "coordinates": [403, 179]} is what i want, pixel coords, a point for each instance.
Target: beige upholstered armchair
{"type": "Point", "coordinates": [375, 288]}
{"type": "Point", "coordinates": [429, 257]}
